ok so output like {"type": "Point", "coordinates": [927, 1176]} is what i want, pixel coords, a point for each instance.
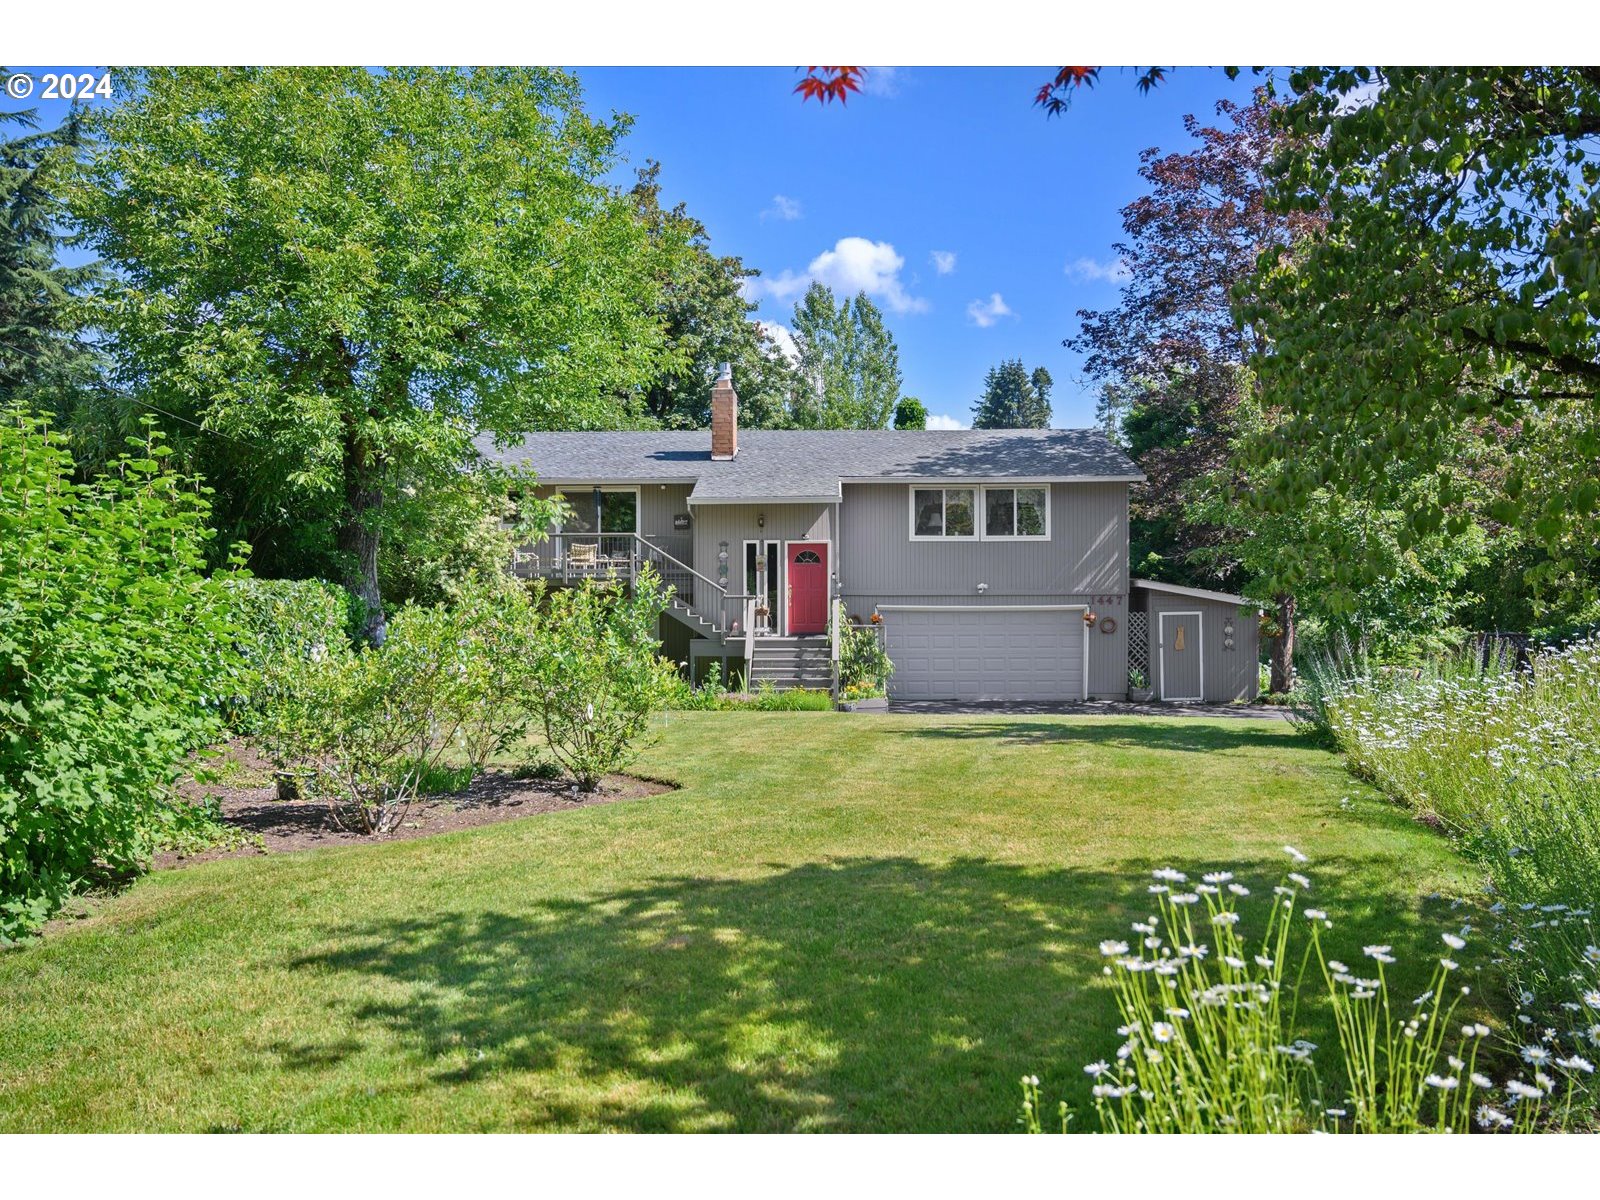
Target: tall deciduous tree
{"type": "Point", "coordinates": [41, 354]}
{"type": "Point", "coordinates": [707, 321]}
{"type": "Point", "coordinates": [1013, 398]}
{"type": "Point", "coordinates": [342, 275]}
{"type": "Point", "coordinates": [849, 363]}
{"type": "Point", "coordinates": [910, 413]}
{"type": "Point", "coordinates": [1170, 356]}
{"type": "Point", "coordinates": [1169, 351]}
{"type": "Point", "coordinates": [1455, 289]}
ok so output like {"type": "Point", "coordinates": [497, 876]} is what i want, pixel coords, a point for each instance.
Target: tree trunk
{"type": "Point", "coordinates": [358, 539]}
{"type": "Point", "coordinates": [1283, 647]}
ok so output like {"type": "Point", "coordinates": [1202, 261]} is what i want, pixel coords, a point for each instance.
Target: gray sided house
{"type": "Point", "coordinates": [993, 563]}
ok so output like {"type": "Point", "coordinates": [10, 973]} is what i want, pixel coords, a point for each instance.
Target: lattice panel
{"type": "Point", "coordinates": [1139, 642]}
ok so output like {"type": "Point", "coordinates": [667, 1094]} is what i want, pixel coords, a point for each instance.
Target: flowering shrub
{"type": "Point", "coordinates": [1509, 763]}
{"type": "Point", "coordinates": [1211, 1042]}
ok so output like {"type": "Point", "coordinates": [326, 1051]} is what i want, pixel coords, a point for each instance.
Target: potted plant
{"type": "Point", "coordinates": [1138, 686]}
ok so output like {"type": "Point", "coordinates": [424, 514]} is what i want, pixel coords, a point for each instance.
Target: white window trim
{"type": "Point", "coordinates": [776, 621]}
{"type": "Point", "coordinates": [638, 508]}
{"type": "Point", "coordinates": [1014, 488]}
{"type": "Point", "coordinates": [941, 488]}
{"type": "Point", "coordinates": [980, 511]}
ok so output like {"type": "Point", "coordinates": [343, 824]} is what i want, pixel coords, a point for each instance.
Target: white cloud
{"type": "Point", "coordinates": [881, 81]}
{"type": "Point", "coordinates": [984, 313]}
{"type": "Point", "coordinates": [944, 261]}
{"type": "Point", "coordinates": [782, 339]}
{"type": "Point", "coordinates": [784, 208]}
{"type": "Point", "coordinates": [853, 265]}
{"type": "Point", "coordinates": [942, 422]}
{"type": "Point", "coordinates": [1087, 270]}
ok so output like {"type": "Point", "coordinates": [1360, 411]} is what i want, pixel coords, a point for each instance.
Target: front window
{"type": "Point", "coordinates": [944, 512]}
{"type": "Point", "coordinates": [1015, 512]}
{"type": "Point", "coordinates": [980, 513]}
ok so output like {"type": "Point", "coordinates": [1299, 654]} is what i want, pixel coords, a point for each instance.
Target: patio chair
{"type": "Point", "coordinates": [583, 559]}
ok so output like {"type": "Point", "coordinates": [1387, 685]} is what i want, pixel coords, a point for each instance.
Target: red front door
{"type": "Point", "coordinates": [808, 587]}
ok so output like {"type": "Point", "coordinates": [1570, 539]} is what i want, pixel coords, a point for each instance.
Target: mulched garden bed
{"type": "Point", "coordinates": [249, 802]}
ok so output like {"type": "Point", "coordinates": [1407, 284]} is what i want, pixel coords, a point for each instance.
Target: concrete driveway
{"type": "Point", "coordinates": [1087, 708]}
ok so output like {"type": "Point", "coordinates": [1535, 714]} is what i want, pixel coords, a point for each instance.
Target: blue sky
{"type": "Point", "coordinates": [933, 161]}
{"type": "Point", "coordinates": [978, 224]}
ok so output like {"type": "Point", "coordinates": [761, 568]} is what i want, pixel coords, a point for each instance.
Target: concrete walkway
{"type": "Point", "coordinates": [1088, 708]}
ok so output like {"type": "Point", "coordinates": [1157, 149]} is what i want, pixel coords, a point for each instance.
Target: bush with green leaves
{"type": "Point", "coordinates": [593, 676]}
{"type": "Point", "coordinates": [864, 665]}
{"type": "Point", "coordinates": [498, 624]}
{"type": "Point", "coordinates": [376, 723]}
{"type": "Point", "coordinates": [284, 625]}
{"type": "Point", "coordinates": [115, 652]}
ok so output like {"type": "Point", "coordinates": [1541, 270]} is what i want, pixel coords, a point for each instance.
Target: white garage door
{"type": "Point", "coordinates": [985, 654]}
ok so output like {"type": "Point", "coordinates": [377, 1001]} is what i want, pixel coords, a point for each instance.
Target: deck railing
{"type": "Point", "coordinates": [571, 558]}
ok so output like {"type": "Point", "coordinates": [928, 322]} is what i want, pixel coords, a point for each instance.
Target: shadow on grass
{"type": "Point", "coordinates": [860, 994]}
{"type": "Point", "coordinates": [1185, 734]}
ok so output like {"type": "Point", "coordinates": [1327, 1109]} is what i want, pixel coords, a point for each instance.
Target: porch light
{"type": "Point", "coordinates": [722, 563]}
{"type": "Point", "coordinates": [761, 520]}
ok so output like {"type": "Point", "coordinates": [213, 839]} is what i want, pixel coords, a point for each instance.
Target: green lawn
{"type": "Point", "coordinates": [841, 922]}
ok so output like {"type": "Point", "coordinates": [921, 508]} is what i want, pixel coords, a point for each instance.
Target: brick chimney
{"type": "Point", "coordinates": [724, 416]}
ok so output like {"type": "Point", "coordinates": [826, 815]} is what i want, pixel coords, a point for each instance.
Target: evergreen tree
{"type": "Point", "coordinates": [41, 355]}
{"type": "Point", "coordinates": [1013, 399]}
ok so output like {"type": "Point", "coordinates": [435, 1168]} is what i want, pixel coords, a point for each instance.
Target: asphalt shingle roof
{"type": "Point", "coordinates": [810, 464]}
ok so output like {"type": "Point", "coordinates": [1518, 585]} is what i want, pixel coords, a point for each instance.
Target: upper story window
{"type": "Point", "coordinates": [943, 513]}
{"type": "Point", "coordinates": [1001, 514]}
{"type": "Point", "coordinates": [1022, 512]}
{"type": "Point", "coordinates": [601, 510]}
